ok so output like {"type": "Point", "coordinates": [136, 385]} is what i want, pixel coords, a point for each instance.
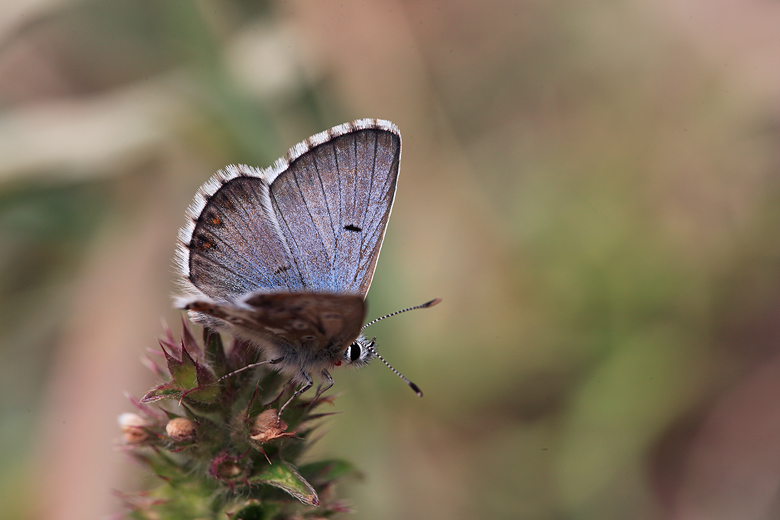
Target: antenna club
{"type": "Point", "coordinates": [431, 303]}
{"type": "Point", "coordinates": [416, 389]}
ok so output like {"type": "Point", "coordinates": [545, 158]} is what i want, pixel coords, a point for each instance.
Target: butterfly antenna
{"type": "Point", "coordinates": [423, 306]}
{"type": "Point", "coordinates": [371, 347]}
{"type": "Point", "coordinates": [413, 386]}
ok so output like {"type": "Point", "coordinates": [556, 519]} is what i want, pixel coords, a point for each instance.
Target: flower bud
{"type": "Point", "coordinates": [133, 427]}
{"type": "Point", "coordinates": [180, 429]}
{"type": "Point", "coordinates": [227, 468]}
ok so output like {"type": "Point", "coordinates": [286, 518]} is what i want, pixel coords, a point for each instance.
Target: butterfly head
{"type": "Point", "coordinates": [360, 352]}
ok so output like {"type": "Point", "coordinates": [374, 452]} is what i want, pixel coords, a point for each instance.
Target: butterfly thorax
{"type": "Point", "coordinates": [295, 362]}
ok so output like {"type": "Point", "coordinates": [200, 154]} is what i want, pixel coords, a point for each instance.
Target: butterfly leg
{"type": "Point", "coordinates": [250, 366]}
{"type": "Point", "coordinates": [322, 389]}
{"type": "Point", "coordinates": [309, 383]}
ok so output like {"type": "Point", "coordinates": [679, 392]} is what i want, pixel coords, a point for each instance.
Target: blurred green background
{"type": "Point", "coordinates": [593, 188]}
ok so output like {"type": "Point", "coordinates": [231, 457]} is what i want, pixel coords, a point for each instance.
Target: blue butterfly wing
{"type": "Point", "coordinates": [234, 247]}
{"type": "Point", "coordinates": [333, 203]}
{"type": "Point", "coordinates": [313, 222]}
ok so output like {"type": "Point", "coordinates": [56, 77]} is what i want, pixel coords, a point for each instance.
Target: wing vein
{"type": "Point", "coordinates": [293, 257]}
{"type": "Point", "coordinates": [308, 211]}
{"type": "Point", "coordinates": [327, 210]}
{"type": "Point", "coordinates": [361, 258]}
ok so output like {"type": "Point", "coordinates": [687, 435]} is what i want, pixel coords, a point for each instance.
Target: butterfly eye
{"type": "Point", "coordinates": [352, 353]}
{"type": "Point", "coordinates": [357, 352]}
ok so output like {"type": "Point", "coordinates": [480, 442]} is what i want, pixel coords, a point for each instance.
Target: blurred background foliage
{"type": "Point", "coordinates": [592, 188]}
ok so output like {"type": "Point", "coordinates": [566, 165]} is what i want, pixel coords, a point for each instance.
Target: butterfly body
{"type": "Point", "coordinates": [303, 333]}
{"type": "Point", "coordinates": [283, 257]}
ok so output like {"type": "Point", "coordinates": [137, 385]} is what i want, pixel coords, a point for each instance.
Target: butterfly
{"type": "Point", "coordinates": [283, 257]}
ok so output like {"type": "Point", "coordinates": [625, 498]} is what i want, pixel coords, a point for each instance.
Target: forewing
{"type": "Point", "coordinates": [235, 246]}
{"type": "Point", "coordinates": [333, 202]}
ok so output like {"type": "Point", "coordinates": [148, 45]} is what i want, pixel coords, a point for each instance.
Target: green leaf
{"type": "Point", "coordinates": [285, 477]}
{"type": "Point", "coordinates": [164, 391]}
{"type": "Point", "coordinates": [183, 373]}
{"type": "Point", "coordinates": [215, 351]}
{"type": "Point", "coordinates": [204, 394]}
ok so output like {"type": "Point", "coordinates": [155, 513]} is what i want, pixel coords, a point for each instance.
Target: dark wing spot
{"type": "Point", "coordinates": [202, 243]}
{"type": "Point", "coordinates": [351, 227]}
{"type": "Point", "coordinates": [282, 269]}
